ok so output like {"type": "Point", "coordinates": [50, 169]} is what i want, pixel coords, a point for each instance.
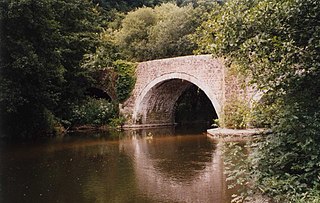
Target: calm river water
{"type": "Point", "coordinates": [155, 165]}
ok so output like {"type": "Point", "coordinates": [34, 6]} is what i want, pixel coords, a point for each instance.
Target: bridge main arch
{"type": "Point", "coordinates": [155, 104]}
{"type": "Point", "coordinates": [160, 83]}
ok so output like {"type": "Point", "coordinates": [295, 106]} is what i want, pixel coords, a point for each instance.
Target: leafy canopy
{"type": "Point", "coordinates": [160, 32]}
{"type": "Point", "coordinates": [276, 43]}
{"type": "Point", "coordinates": [42, 46]}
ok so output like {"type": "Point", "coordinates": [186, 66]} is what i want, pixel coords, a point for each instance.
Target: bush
{"type": "Point", "coordinates": [125, 78]}
{"type": "Point", "coordinates": [93, 111]}
{"type": "Point", "coordinates": [293, 152]}
{"type": "Point", "coordinates": [236, 114]}
{"type": "Point", "coordinates": [117, 122]}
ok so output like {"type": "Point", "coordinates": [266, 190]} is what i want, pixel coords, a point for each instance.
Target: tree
{"type": "Point", "coordinates": [170, 36]}
{"type": "Point", "coordinates": [276, 44]}
{"type": "Point", "coordinates": [129, 5]}
{"type": "Point", "coordinates": [42, 45]}
{"type": "Point", "coordinates": [160, 32]}
{"type": "Point", "coordinates": [132, 37]}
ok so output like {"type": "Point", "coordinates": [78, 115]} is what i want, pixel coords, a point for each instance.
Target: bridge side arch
{"type": "Point", "coordinates": [155, 103]}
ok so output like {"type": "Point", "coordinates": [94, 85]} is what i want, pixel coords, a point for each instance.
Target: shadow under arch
{"type": "Point", "coordinates": [194, 111]}
{"type": "Point", "coordinates": [98, 93]}
{"type": "Point", "coordinates": [155, 103]}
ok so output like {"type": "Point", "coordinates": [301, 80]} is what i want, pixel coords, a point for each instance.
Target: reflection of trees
{"type": "Point", "coordinates": [97, 173]}
{"type": "Point", "coordinates": [136, 168]}
{"type": "Point", "coordinates": [237, 165]}
{"type": "Point", "coordinates": [174, 183]}
{"type": "Point", "coordinates": [176, 155]}
{"type": "Point", "coordinates": [110, 178]}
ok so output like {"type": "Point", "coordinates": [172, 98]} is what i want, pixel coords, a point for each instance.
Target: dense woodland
{"type": "Point", "coordinates": [53, 53]}
{"type": "Point", "coordinates": [277, 45]}
{"type": "Point", "coordinates": [52, 50]}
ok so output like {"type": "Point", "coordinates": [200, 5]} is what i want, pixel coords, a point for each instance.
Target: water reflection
{"type": "Point", "coordinates": [137, 166]}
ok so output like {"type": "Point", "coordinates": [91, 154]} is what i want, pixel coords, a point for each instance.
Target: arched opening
{"type": "Point", "coordinates": [98, 93]}
{"type": "Point", "coordinates": [193, 108]}
{"type": "Point", "coordinates": [158, 102]}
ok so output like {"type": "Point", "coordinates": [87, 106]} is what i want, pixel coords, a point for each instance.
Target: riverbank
{"type": "Point", "coordinates": [233, 134]}
{"type": "Point", "coordinates": [238, 135]}
{"type": "Point", "coordinates": [89, 127]}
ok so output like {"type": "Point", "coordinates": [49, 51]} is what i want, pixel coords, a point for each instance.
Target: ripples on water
{"type": "Point", "coordinates": [155, 165]}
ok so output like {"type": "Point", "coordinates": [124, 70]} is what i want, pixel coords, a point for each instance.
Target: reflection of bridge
{"type": "Point", "coordinates": [205, 185]}
{"type": "Point", "coordinates": [160, 83]}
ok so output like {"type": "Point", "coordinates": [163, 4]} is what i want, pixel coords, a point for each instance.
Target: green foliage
{"type": "Point", "coordinates": [117, 122]}
{"type": "Point", "coordinates": [292, 151]}
{"type": "Point", "coordinates": [237, 165]}
{"type": "Point", "coordinates": [236, 114]}
{"type": "Point", "coordinates": [42, 45]}
{"type": "Point", "coordinates": [104, 56]}
{"type": "Point", "coordinates": [160, 32]}
{"type": "Point", "coordinates": [93, 111]}
{"type": "Point", "coordinates": [169, 36]}
{"type": "Point", "coordinates": [120, 74]}
{"type": "Point", "coordinates": [276, 44]}
{"type": "Point", "coordinates": [262, 116]}
{"type": "Point", "coordinates": [132, 38]}
{"type": "Point", "coordinates": [128, 5]}
{"type": "Point", "coordinates": [273, 41]}
{"type": "Point", "coordinates": [125, 78]}
{"type": "Point", "coordinates": [312, 196]}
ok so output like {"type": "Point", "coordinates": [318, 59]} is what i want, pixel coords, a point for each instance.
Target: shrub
{"type": "Point", "coordinates": [93, 111]}
{"type": "Point", "coordinates": [117, 122]}
{"type": "Point", "coordinates": [125, 78]}
{"type": "Point", "coordinates": [236, 114]}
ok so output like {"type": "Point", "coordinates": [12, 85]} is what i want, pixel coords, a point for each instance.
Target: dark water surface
{"type": "Point", "coordinates": [158, 165]}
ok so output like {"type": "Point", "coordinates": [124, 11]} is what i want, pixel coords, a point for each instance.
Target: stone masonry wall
{"type": "Point", "coordinates": [160, 83]}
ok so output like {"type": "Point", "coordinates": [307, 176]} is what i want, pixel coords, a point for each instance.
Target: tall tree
{"type": "Point", "coordinates": [276, 44]}
{"type": "Point", "coordinates": [160, 32]}
{"type": "Point", "coordinates": [42, 45]}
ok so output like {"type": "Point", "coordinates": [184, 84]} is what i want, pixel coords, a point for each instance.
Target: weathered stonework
{"type": "Point", "coordinates": [161, 82]}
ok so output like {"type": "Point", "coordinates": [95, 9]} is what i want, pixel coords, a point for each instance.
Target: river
{"type": "Point", "coordinates": [154, 165]}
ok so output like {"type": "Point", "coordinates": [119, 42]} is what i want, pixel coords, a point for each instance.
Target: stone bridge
{"type": "Point", "coordinates": [160, 83]}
